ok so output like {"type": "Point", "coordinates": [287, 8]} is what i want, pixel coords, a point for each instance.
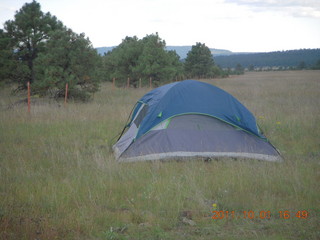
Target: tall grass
{"type": "Point", "coordinates": [59, 179]}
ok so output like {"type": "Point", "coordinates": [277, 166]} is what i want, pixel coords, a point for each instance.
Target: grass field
{"type": "Point", "coordinates": [59, 179]}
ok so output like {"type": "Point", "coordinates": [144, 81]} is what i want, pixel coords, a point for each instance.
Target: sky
{"type": "Point", "coordinates": [235, 25]}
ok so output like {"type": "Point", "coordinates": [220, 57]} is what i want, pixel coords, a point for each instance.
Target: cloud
{"type": "Point", "coordinates": [295, 8]}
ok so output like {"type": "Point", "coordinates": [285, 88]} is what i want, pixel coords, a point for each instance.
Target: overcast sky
{"type": "Point", "coordinates": [236, 25]}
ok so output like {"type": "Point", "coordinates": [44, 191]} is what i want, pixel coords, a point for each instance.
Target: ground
{"type": "Point", "coordinates": [59, 179]}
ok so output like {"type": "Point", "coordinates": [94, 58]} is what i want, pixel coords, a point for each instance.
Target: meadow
{"type": "Point", "coordinates": [59, 179]}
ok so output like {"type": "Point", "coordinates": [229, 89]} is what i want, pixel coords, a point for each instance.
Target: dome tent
{"type": "Point", "coordinates": [190, 119]}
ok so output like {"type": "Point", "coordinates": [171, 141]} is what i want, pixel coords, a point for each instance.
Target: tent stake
{"type": "Point", "coordinates": [66, 95]}
{"type": "Point", "coordinates": [29, 102]}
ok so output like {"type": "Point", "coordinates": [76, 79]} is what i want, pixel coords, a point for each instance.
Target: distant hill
{"type": "Point", "coordinates": [291, 58]}
{"type": "Point", "coordinates": [103, 50]}
{"type": "Point", "coordinates": [182, 51]}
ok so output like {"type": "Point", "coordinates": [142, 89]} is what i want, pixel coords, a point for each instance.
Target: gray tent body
{"type": "Point", "coordinates": [193, 136]}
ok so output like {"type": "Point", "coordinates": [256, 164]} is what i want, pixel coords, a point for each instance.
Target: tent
{"type": "Point", "coordinates": [191, 119]}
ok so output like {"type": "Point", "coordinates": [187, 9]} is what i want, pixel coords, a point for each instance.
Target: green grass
{"type": "Point", "coordinates": [59, 179]}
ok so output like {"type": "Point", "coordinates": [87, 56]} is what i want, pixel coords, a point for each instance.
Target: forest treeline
{"type": "Point", "coordinates": [38, 48]}
{"type": "Point", "coordinates": [291, 59]}
{"type": "Point", "coordinates": [147, 59]}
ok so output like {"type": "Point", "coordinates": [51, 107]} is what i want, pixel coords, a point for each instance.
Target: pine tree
{"type": "Point", "coordinates": [28, 33]}
{"type": "Point", "coordinates": [157, 63]}
{"type": "Point", "coordinates": [199, 62]}
{"type": "Point", "coordinates": [145, 59]}
{"type": "Point", "coordinates": [7, 63]}
{"type": "Point", "coordinates": [68, 58]}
